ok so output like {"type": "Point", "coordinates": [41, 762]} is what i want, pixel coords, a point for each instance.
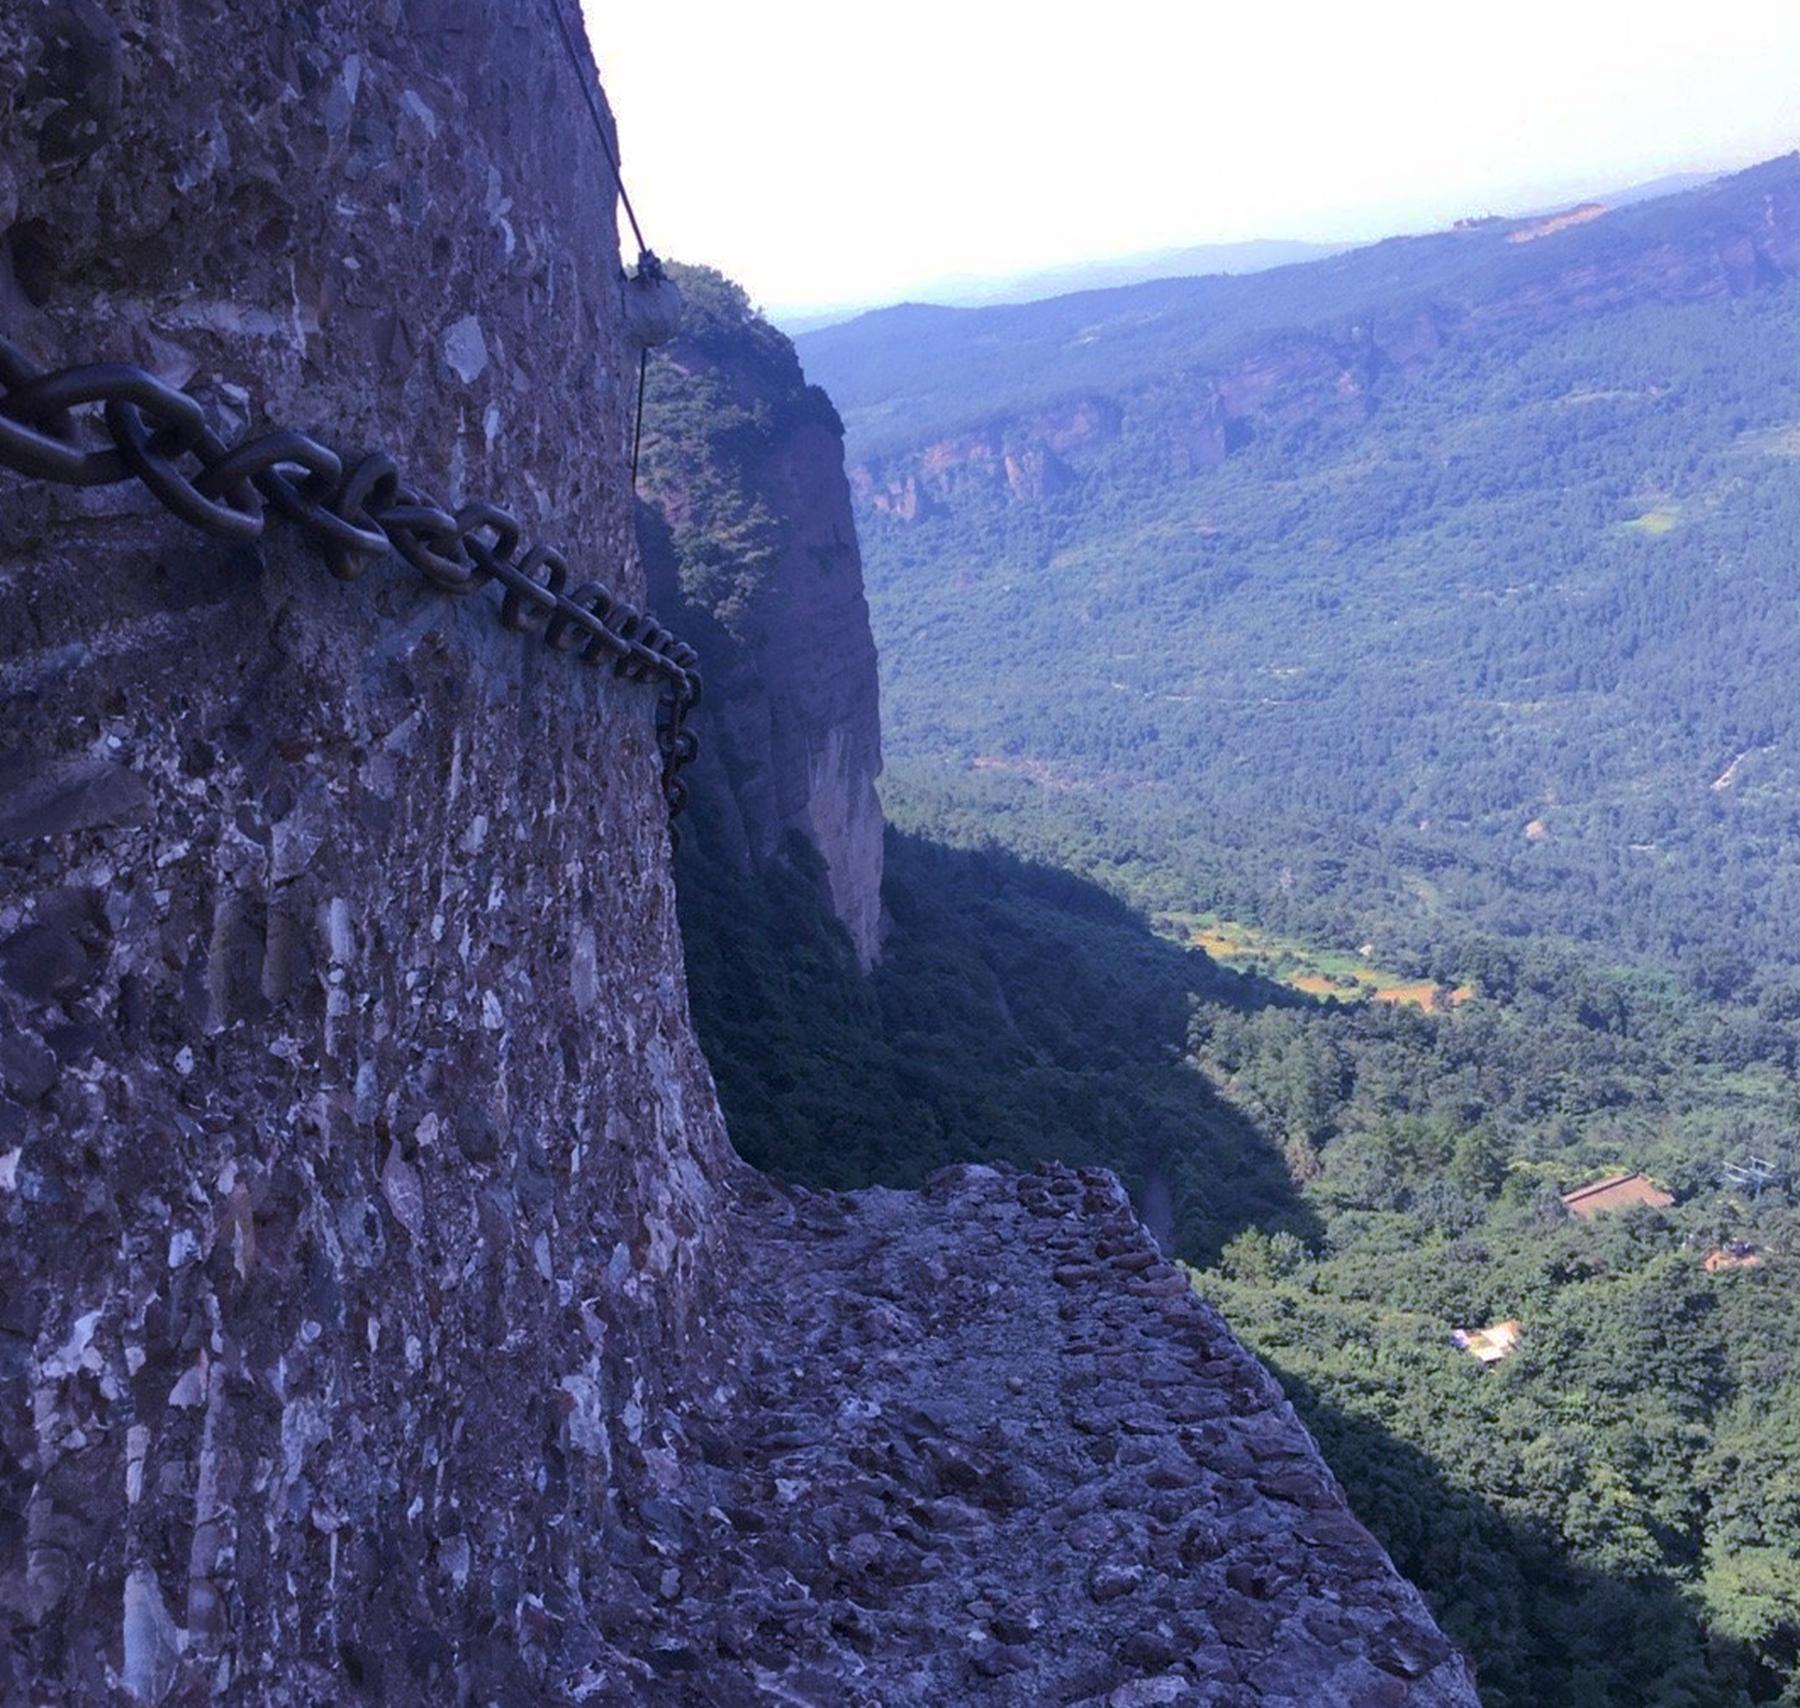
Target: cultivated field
{"type": "Point", "coordinates": [1348, 975]}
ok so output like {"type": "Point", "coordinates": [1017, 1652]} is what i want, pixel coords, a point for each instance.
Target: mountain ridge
{"type": "Point", "coordinates": [1248, 255]}
{"type": "Point", "coordinates": [1251, 255]}
{"type": "Point", "coordinates": [1110, 338]}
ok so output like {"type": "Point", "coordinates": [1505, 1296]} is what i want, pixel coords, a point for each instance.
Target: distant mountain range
{"type": "Point", "coordinates": [973, 291]}
{"type": "Point", "coordinates": [1255, 255]}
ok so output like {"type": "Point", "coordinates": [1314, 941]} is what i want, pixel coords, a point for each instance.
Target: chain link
{"type": "Point", "coordinates": [147, 430]}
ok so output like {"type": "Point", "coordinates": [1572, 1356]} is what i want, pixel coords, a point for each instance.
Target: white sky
{"type": "Point", "coordinates": [832, 151]}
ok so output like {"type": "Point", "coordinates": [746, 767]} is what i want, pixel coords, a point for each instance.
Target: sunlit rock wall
{"type": "Point", "coordinates": [745, 461]}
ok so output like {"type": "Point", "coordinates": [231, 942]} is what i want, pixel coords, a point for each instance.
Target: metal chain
{"type": "Point", "coordinates": [354, 515]}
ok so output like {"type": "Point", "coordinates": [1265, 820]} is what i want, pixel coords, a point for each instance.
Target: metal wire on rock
{"type": "Point", "coordinates": [593, 107]}
{"type": "Point", "coordinates": [637, 432]}
{"type": "Point", "coordinates": [648, 264]}
{"type": "Point", "coordinates": [353, 512]}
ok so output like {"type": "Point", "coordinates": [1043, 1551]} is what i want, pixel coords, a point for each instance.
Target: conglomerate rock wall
{"type": "Point", "coordinates": [383, 1314]}
{"type": "Point", "coordinates": [357, 1164]}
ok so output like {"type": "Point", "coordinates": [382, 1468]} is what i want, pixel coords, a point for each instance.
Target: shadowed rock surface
{"type": "Point", "coordinates": [740, 448]}
{"type": "Point", "coordinates": [358, 1161]}
{"type": "Point", "coordinates": [383, 1314]}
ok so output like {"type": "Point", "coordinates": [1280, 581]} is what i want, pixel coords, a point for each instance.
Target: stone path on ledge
{"type": "Point", "coordinates": [990, 1448]}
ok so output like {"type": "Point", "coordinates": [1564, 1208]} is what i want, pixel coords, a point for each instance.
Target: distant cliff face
{"type": "Point", "coordinates": [748, 527]}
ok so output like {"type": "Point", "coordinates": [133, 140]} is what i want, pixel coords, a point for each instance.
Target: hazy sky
{"type": "Point", "coordinates": [830, 151]}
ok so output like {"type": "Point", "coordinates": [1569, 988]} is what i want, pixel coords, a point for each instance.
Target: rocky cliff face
{"type": "Point", "coordinates": [383, 1315]}
{"type": "Point", "coordinates": [359, 1167]}
{"type": "Point", "coordinates": [748, 533]}
{"type": "Point", "coordinates": [1019, 461]}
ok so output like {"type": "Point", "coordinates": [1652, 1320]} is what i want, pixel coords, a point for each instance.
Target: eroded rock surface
{"type": "Point", "coordinates": [986, 1446]}
{"type": "Point", "coordinates": [357, 1163]}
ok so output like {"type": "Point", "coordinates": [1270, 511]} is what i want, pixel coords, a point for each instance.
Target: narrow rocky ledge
{"type": "Point", "coordinates": [986, 1445]}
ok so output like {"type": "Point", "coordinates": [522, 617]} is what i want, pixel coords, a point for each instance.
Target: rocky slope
{"type": "Point", "coordinates": [1002, 1453]}
{"type": "Point", "coordinates": [748, 535]}
{"type": "Point", "coordinates": [383, 1314]}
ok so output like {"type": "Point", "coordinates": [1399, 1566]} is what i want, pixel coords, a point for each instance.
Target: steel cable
{"type": "Point", "coordinates": [648, 264]}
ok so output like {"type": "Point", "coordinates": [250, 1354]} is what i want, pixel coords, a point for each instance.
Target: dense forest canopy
{"type": "Point", "coordinates": [1494, 634]}
{"type": "Point", "coordinates": [1361, 826]}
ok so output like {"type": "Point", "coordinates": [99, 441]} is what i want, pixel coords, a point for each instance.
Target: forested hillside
{"type": "Point", "coordinates": [1447, 704]}
{"type": "Point", "coordinates": [1442, 586]}
{"type": "Point", "coordinates": [1606, 1519]}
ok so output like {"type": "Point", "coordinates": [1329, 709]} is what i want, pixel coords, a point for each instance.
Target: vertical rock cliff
{"type": "Point", "coordinates": [357, 1165]}
{"type": "Point", "coordinates": [747, 530]}
{"type": "Point", "coordinates": [383, 1313]}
